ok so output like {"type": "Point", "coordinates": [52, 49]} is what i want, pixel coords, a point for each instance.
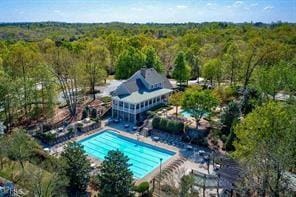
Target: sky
{"type": "Point", "coordinates": [146, 11]}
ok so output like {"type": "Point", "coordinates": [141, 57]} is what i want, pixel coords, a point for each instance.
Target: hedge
{"type": "Point", "coordinates": [142, 187]}
{"type": "Point", "coordinates": [171, 126]}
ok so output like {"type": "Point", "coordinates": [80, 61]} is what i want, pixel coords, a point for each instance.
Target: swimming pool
{"type": "Point", "coordinates": [187, 114]}
{"type": "Point", "coordinates": [143, 157]}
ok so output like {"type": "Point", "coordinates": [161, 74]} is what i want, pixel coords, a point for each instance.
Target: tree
{"type": "Point", "coordinates": [115, 178]}
{"type": "Point", "coordinates": [212, 70]}
{"type": "Point", "coordinates": [65, 69]}
{"type": "Point", "coordinates": [265, 147]}
{"type": "Point", "coordinates": [45, 184]}
{"type": "Point", "coordinates": [232, 60]}
{"type": "Point", "coordinates": [96, 61]}
{"type": "Point", "coordinates": [257, 52]}
{"type": "Point", "coordinates": [152, 60]}
{"type": "Point", "coordinates": [76, 167]}
{"type": "Point", "coordinates": [10, 102]}
{"type": "Point", "coordinates": [20, 61]}
{"type": "Point", "coordinates": [129, 61]}
{"type": "Point", "coordinates": [181, 70]}
{"type": "Point", "coordinates": [3, 150]}
{"type": "Point", "coordinates": [193, 62]}
{"type": "Point", "coordinates": [176, 100]}
{"type": "Point", "coordinates": [20, 147]}
{"type": "Point", "coordinates": [186, 185]}
{"type": "Point", "coordinates": [271, 80]}
{"type": "Point", "coordinates": [198, 103]}
{"type": "Point", "coordinates": [230, 114]}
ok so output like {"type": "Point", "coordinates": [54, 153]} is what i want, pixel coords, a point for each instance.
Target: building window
{"type": "Point", "coordinates": [126, 105]}
{"type": "Point", "coordinates": [146, 103]}
{"type": "Point", "coordinates": [150, 101]}
{"type": "Point", "coordinates": [132, 106]}
{"type": "Point", "coordinates": [142, 104]}
{"type": "Point", "coordinates": [137, 106]}
{"type": "Point", "coordinates": [120, 103]}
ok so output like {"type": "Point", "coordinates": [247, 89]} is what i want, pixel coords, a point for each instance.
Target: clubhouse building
{"type": "Point", "coordinates": [142, 91]}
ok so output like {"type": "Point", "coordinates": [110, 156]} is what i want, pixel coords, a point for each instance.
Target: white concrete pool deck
{"type": "Point", "coordinates": [188, 165]}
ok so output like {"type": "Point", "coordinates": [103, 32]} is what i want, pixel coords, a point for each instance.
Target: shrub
{"type": "Point", "coordinates": [70, 129]}
{"type": "Point", "coordinates": [93, 113]}
{"type": "Point", "coordinates": [84, 114]}
{"type": "Point", "coordinates": [142, 187]}
{"type": "Point", "coordinates": [106, 99]}
{"type": "Point", "coordinates": [156, 122]}
{"type": "Point", "coordinates": [79, 125]}
{"type": "Point", "coordinates": [163, 124]}
{"type": "Point", "coordinates": [229, 141]}
{"type": "Point", "coordinates": [167, 125]}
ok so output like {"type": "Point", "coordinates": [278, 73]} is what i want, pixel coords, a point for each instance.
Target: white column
{"type": "Point", "coordinates": [129, 110]}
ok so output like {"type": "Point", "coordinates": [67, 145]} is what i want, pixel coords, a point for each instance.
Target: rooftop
{"type": "Point", "coordinates": [138, 97]}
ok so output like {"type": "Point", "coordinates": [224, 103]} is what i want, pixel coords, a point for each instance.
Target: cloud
{"type": "Point", "coordinates": [181, 6]}
{"type": "Point", "coordinates": [254, 4]}
{"type": "Point", "coordinates": [267, 8]}
{"type": "Point", "coordinates": [137, 9]}
{"type": "Point", "coordinates": [237, 3]}
{"type": "Point", "coordinates": [57, 11]}
{"type": "Point", "coordinates": [211, 4]}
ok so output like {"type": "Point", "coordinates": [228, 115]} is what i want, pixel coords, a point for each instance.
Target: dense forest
{"type": "Point", "coordinates": [37, 59]}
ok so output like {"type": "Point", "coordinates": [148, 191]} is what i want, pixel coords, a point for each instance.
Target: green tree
{"type": "Point", "coordinates": [10, 102]}
{"type": "Point", "coordinates": [186, 186]}
{"type": "Point", "coordinates": [232, 60]}
{"type": "Point", "coordinates": [20, 147]}
{"type": "Point", "coordinates": [76, 167]}
{"type": "Point", "coordinates": [19, 62]}
{"type": "Point", "coordinates": [257, 52]}
{"type": "Point", "coordinates": [96, 60]}
{"type": "Point", "coordinates": [181, 70]}
{"type": "Point", "coordinates": [115, 178]}
{"type": "Point", "coordinates": [129, 61]}
{"type": "Point", "coordinates": [193, 62]}
{"type": "Point", "coordinates": [265, 147]}
{"type": "Point", "coordinates": [230, 114]}
{"type": "Point", "coordinates": [271, 80]}
{"type": "Point", "coordinates": [176, 100]}
{"type": "Point", "coordinates": [45, 184]}
{"type": "Point", "coordinates": [198, 103]}
{"type": "Point", "coordinates": [212, 70]}
{"type": "Point", "coordinates": [152, 60]}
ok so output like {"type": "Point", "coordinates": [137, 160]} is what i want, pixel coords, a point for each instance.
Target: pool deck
{"type": "Point", "coordinates": [56, 150]}
{"type": "Point", "coordinates": [143, 139]}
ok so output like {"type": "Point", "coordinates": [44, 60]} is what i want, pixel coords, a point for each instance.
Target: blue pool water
{"type": "Point", "coordinates": [187, 114]}
{"type": "Point", "coordinates": [143, 157]}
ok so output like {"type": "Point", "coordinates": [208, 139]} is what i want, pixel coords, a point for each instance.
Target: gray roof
{"type": "Point", "coordinates": [139, 81]}
{"type": "Point", "coordinates": [134, 85]}
{"type": "Point", "coordinates": [138, 97]}
{"type": "Point", "coordinates": [151, 76]}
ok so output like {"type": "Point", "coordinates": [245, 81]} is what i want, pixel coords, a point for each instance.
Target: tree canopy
{"type": "Point", "coordinates": [198, 102]}
{"type": "Point", "coordinates": [115, 178]}
{"type": "Point", "coordinates": [263, 146]}
{"type": "Point", "coordinates": [76, 167]}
